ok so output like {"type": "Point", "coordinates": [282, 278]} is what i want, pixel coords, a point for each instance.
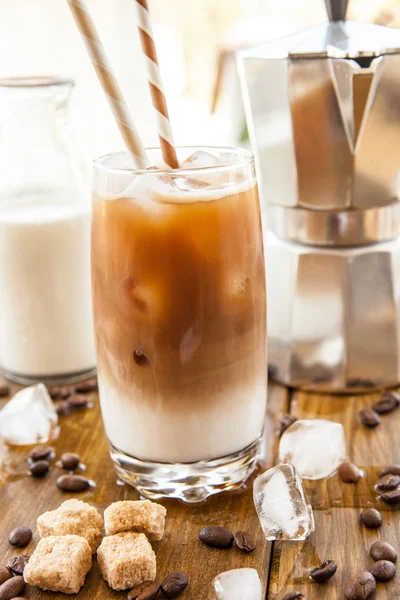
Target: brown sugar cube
{"type": "Point", "coordinates": [126, 559]}
{"type": "Point", "coordinates": [142, 516]}
{"type": "Point", "coordinates": [59, 564]}
{"type": "Point", "coordinates": [73, 517]}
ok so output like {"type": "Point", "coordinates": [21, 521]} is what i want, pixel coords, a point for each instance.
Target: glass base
{"type": "Point", "coordinates": [190, 482]}
{"type": "Point", "coordinates": [62, 379]}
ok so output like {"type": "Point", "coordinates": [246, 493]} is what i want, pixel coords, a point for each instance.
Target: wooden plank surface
{"type": "Point", "coordinates": [338, 533]}
{"type": "Point", "coordinates": [23, 499]}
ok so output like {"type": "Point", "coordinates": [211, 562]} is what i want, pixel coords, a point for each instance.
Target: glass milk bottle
{"type": "Point", "coordinates": [45, 303]}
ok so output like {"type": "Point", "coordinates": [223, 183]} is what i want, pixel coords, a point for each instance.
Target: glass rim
{"type": "Point", "coordinates": [25, 82]}
{"type": "Point", "coordinates": [244, 157]}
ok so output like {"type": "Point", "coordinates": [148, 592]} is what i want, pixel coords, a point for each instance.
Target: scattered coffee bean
{"type": "Point", "coordinates": [62, 408]}
{"type": "Point", "coordinates": [388, 403]}
{"type": "Point", "coordinates": [390, 470]}
{"type": "Point", "coordinates": [383, 551]}
{"type": "Point", "coordinates": [174, 585]}
{"type": "Point", "coordinates": [285, 422]}
{"type": "Point", "coordinates": [73, 483]}
{"type": "Point", "coordinates": [294, 596]}
{"type": "Point", "coordinates": [349, 472]}
{"type": "Point", "coordinates": [244, 541]}
{"type": "Point", "coordinates": [144, 591]}
{"type": "Point", "coordinates": [217, 537]}
{"type": "Point", "coordinates": [272, 371]}
{"type": "Point", "coordinates": [70, 460]}
{"type": "Point", "coordinates": [40, 453]}
{"type": "Point", "coordinates": [66, 392]}
{"type": "Point", "coordinates": [371, 518]}
{"type": "Point", "coordinates": [39, 468]}
{"type": "Point", "coordinates": [360, 587]}
{"type": "Point", "coordinates": [4, 391]}
{"type": "Point", "coordinates": [20, 537]}
{"type": "Point", "coordinates": [383, 570]}
{"type": "Point", "coordinates": [86, 387]}
{"type": "Point", "coordinates": [388, 483]}
{"type": "Point", "coordinates": [54, 392]}
{"type": "Point", "coordinates": [5, 574]}
{"type": "Point", "coordinates": [324, 572]}
{"type": "Point", "coordinates": [369, 417]}
{"type": "Point", "coordinates": [392, 497]}
{"type": "Point", "coordinates": [18, 563]}
{"type": "Point", "coordinates": [11, 588]}
{"type": "Point", "coordinates": [77, 401]}
{"type": "Point", "coordinates": [140, 358]}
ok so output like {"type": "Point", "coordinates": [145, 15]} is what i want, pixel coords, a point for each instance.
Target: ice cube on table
{"type": "Point", "coordinates": [281, 504]}
{"type": "Point", "coordinates": [315, 447]}
{"type": "Point", "coordinates": [200, 159]}
{"type": "Point", "coordinates": [238, 584]}
{"type": "Point", "coordinates": [29, 417]}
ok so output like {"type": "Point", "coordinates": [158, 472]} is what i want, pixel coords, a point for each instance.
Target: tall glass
{"type": "Point", "coordinates": [180, 320]}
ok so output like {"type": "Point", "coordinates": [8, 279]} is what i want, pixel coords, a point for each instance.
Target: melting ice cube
{"type": "Point", "coordinates": [238, 584]}
{"type": "Point", "coordinates": [200, 159]}
{"type": "Point", "coordinates": [29, 417]}
{"type": "Point", "coordinates": [316, 447]}
{"type": "Point", "coordinates": [281, 504]}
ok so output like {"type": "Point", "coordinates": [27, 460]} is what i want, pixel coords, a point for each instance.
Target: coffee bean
{"type": "Point", "coordinates": [371, 518]}
{"type": "Point", "coordinates": [349, 472]}
{"type": "Point", "coordinates": [86, 387]}
{"type": "Point", "coordinates": [387, 404]}
{"type": "Point", "coordinates": [140, 358]}
{"type": "Point", "coordinates": [392, 497]}
{"type": "Point", "coordinates": [4, 391]}
{"type": "Point", "coordinates": [369, 417]}
{"type": "Point", "coordinates": [244, 541]}
{"type": "Point", "coordinates": [174, 585]}
{"type": "Point", "coordinates": [39, 468]}
{"type": "Point", "coordinates": [40, 453]}
{"type": "Point", "coordinates": [20, 537]}
{"type": "Point", "coordinates": [324, 572]}
{"type": "Point", "coordinates": [294, 596]}
{"type": "Point", "coordinates": [5, 574]}
{"type": "Point", "coordinates": [18, 563]}
{"type": "Point", "coordinates": [383, 570]}
{"type": "Point", "coordinates": [73, 483]}
{"type": "Point", "coordinates": [11, 588]}
{"type": "Point", "coordinates": [383, 551]}
{"type": "Point", "coordinates": [66, 391]}
{"type": "Point", "coordinates": [390, 470]}
{"type": "Point", "coordinates": [70, 460]}
{"type": "Point", "coordinates": [77, 401]}
{"type": "Point", "coordinates": [272, 371]}
{"type": "Point", "coordinates": [217, 537]}
{"type": "Point", "coordinates": [360, 587]}
{"type": "Point", "coordinates": [144, 591]}
{"type": "Point", "coordinates": [388, 483]}
{"type": "Point", "coordinates": [62, 408]}
{"type": "Point", "coordinates": [285, 422]}
{"type": "Point", "coordinates": [54, 392]}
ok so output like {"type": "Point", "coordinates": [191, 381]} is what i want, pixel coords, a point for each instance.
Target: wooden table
{"type": "Point", "coordinates": [282, 566]}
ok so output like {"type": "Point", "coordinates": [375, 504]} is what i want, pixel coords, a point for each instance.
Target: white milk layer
{"type": "Point", "coordinates": [200, 431]}
{"type": "Point", "coordinates": [45, 299]}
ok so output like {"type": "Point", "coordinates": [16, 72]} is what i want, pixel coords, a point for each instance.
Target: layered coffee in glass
{"type": "Point", "coordinates": [180, 319]}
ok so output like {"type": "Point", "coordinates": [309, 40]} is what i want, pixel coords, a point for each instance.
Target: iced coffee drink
{"type": "Point", "coordinates": [180, 320]}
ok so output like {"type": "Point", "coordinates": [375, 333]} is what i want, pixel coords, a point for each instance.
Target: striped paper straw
{"type": "Point", "coordinates": [108, 81]}
{"type": "Point", "coordinates": [155, 84]}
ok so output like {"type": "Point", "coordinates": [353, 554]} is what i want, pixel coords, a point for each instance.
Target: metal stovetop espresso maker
{"type": "Point", "coordinates": [323, 109]}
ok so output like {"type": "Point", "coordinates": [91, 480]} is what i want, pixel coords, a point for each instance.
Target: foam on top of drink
{"type": "Point", "coordinates": [195, 181]}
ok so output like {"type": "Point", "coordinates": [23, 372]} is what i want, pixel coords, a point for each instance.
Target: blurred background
{"type": "Point", "coordinates": [196, 42]}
